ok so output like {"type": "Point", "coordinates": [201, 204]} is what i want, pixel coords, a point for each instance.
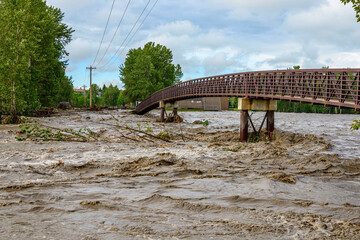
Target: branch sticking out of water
{"type": "Point", "coordinates": [138, 131]}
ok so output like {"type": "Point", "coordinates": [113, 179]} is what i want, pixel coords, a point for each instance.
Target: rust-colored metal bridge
{"type": "Point", "coordinates": [330, 87]}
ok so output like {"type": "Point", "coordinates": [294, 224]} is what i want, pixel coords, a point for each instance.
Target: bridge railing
{"type": "Point", "coordinates": [332, 87]}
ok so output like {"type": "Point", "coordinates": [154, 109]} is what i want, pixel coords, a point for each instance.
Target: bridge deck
{"type": "Point", "coordinates": [331, 87]}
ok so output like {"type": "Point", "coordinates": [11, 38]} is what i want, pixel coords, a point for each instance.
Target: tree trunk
{"type": "Point", "coordinates": [13, 98]}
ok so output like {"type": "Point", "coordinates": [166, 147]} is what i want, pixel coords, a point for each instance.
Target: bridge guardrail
{"type": "Point", "coordinates": [331, 87]}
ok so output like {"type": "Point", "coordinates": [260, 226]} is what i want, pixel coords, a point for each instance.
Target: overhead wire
{"type": "Point", "coordinates": [142, 22]}
{"type": "Point", "coordinates": [122, 44]}
{"type": "Point", "coordinates": [102, 39]}
{"type": "Point", "coordinates": [114, 35]}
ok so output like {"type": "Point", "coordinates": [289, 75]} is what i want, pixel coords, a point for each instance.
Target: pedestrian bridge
{"type": "Point", "coordinates": [258, 90]}
{"type": "Point", "coordinates": [330, 87]}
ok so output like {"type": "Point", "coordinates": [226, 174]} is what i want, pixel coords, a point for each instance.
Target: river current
{"type": "Point", "coordinates": [203, 184]}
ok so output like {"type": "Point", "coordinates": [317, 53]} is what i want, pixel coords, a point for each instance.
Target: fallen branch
{"type": "Point", "coordinates": [33, 132]}
{"type": "Point", "coordinates": [139, 131]}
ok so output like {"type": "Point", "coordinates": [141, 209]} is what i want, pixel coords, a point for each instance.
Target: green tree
{"type": "Point", "coordinates": [32, 44]}
{"type": "Point", "coordinates": [356, 6]}
{"type": "Point", "coordinates": [294, 67]}
{"type": "Point", "coordinates": [233, 102]}
{"type": "Point", "coordinates": [103, 90]}
{"type": "Point", "coordinates": [77, 100]}
{"type": "Point", "coordinates": [16, 46]}
{"type": "Point", "coordinates": [95, 95]}
{"type": "Point", "coordinates": [121, 99]}
{"type": "Point", "coordinates": [66, 90]}
{"type": "Point", "coordinates": [111, 95]}
{"type": "Point", "coordinates": [49, 71]}
{"type": "Point", "coordinates": [147, 70]}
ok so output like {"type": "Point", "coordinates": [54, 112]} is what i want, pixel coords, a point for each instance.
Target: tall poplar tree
{"type": "Point", "coordinates": [147, 70]}
{"type": "Point", "coordinates": [32, 46]}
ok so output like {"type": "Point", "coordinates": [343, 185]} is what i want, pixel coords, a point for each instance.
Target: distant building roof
{"type": "Point", "coordinates": [78, 90]}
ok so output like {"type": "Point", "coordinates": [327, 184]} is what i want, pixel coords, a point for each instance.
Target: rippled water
{"type": "Point", "coordinates": [204, 184]}
{"type": "Point", "coordinates": [335, 128]}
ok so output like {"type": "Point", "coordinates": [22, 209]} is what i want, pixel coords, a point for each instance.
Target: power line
{"type": "Point", "coordinates": [112, 39]}
{"type": "Point", "coordinates": [107, 23]}
{"type": "Point", "coordinates": [136, 31]}
{"type": "Point", "coordinates": [127, 35]}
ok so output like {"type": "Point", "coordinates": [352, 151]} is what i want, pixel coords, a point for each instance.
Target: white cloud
{"type": "Point", "coordinates": [114, 82]}
{"type": "Point", "coordinates": [71, 68]}
{"type": "Point", "coordinates": [178, 28]}
{"type": "Point", "coordinates": [218, 63]}
{"type": "Point", "coordinates": [262, 10]}
{"type": "Point", "coordinates": [285, 60]}
{"type": "Point", "coordinates": [81, 49]}
{"type": "Point", "coordinates": [264, 5]}
{"type": "Point", "coordinates": [196, 50]}
{"type": "Point", "coordinates": [220, 36]}
{"type": "Point", "coordinates": [66, 5]}
{"type": "Point", "coordinates": [342, 59]}
{"type": "Point", "coordinates": [331, 23]}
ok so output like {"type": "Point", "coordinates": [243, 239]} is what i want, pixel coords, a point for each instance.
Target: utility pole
{"type": "Point", "coordinates": [84, 96]}
{"type": "Point", "coordinates": [91, 68]}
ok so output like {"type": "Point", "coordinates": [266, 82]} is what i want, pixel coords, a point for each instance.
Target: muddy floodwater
{"type": "Point", "coordinates": [202, 184]}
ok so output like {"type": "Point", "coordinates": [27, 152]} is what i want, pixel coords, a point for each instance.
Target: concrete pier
{"type": "Point", "coordinates": [251, 104]}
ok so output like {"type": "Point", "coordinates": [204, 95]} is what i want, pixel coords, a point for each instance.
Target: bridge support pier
{"type": "Point", "coordinates": [162, 111]}
{"type": "Point", "coordinates": [162, 115]}
{"type": "Point", "coordinates": [163, 106]}
{"type": "Point", "coordinates": [249, 104]}
{"type": "Point", "coordinates": [244, 125]}
{"type": "Point", "coordinates": [270, 126]}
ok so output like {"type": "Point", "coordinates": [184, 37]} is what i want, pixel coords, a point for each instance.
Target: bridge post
{"type": "Point", "coordinates": [244, 125]}
{"type": "Point", "coordinates": [270, 123]}
{"type": "Point", "coordinates": [175, 108]}
{"type": "Point", "coordinates": [162, 111]}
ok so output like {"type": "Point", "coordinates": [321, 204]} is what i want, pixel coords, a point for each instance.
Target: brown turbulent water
{"type": "Point", "coordinates": [205, 184]}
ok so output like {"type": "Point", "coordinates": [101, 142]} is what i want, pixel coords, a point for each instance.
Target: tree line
{"type": "Point", "coordinates": [32, 51]}
{"type": "Point", "coordinates": [110, 96]}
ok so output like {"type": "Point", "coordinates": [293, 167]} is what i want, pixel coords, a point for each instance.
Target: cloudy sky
{"type": "Point", "coordinates": [211, 37]}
